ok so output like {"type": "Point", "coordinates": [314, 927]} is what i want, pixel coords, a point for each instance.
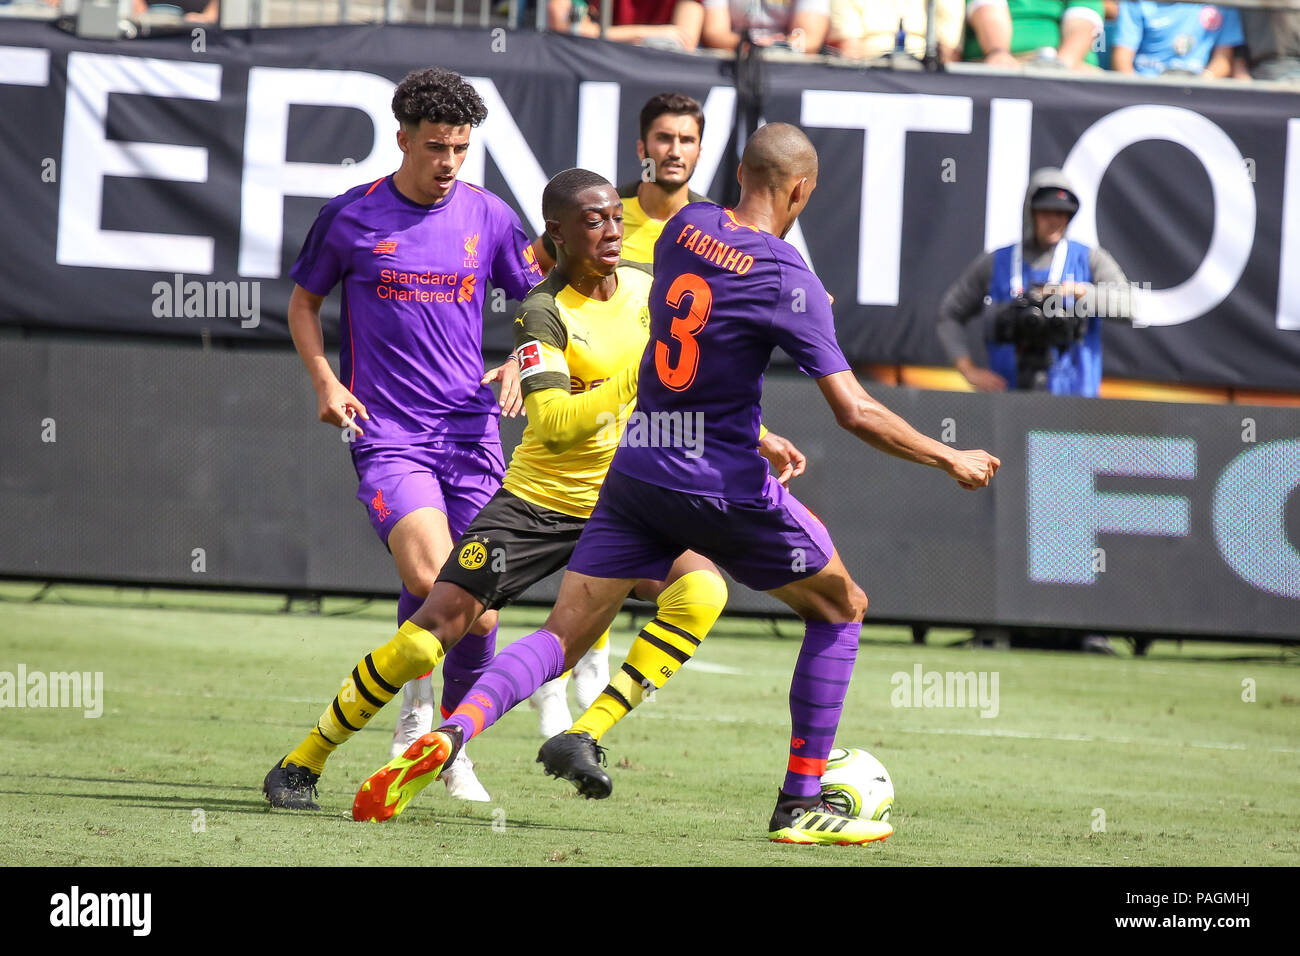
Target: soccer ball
{"type": "Point", "coordinates": [857, 785]}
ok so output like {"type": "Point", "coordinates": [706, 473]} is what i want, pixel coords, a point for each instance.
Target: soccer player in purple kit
{"type": "Point", "coordinates": [413, 251]}
{"type": "Point", "coordinates": [727, 291]}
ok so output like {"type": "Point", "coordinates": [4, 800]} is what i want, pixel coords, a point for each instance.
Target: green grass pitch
{"type": "Point", "coordinates": [1089, 760]}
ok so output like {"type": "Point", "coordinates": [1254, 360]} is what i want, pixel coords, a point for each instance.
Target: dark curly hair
{"type": "Point", "coordinates": [678, 104]}
{"type": "Point", "coordinates": [439, 96]}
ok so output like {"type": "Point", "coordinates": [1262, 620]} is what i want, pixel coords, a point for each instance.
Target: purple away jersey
{"type": "Point", "coordinates": [724, 296]}
{"type": "Point", "coordinates": [411, 320]}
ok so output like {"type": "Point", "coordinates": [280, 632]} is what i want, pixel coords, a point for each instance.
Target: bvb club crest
{"type": "Point", "coordinates": [473, 556]}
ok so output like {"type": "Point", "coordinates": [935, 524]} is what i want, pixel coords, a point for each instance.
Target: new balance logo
{"type": "Point", "coordinates": [385, 246]}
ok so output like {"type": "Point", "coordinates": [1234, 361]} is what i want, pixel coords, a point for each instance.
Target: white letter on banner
{"type": "Point", "coordinates": [269, 177]}
{"type": "Point", "coordinates": [1234, 202]}
{"type": "Point", "coordinates": [597, 136]}
{"type": "Point", "coordinates": [1288, 296]}
{"type": "Point", "coordinates": [89, 155]}
{"type": "Point", "coordinates": [1010, 127]}
{"type": "Point", "coordinates": [24, 66]}
{"type": "Point", "coordinates": [1066, 512]}
{"type": "Point", "coordinates": [500, 136]}
{"type": "Point", "coordinates": [886, 119]}
{"type": "Point", "coordinates": [719, 110]}
{"type": "Point", "coordinates": [1250, 516]}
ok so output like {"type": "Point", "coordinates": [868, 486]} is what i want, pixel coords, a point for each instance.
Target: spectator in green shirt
{"type": "Point", "coordinates": [1005, 33]}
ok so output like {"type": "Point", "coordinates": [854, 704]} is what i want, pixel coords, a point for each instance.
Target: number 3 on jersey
{"type": "Point", "coordinates": [684, 328]}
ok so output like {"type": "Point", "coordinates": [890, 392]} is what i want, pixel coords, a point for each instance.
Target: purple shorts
{"type": "Point", "coordinates": [638, 530]}
{"type": "Point", "coordinates": [456, 477]}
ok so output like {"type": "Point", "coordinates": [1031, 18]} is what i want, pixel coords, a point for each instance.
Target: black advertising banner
{"type": "Point", "coordinates": [149, 463]}
{"type": "Point", "coordinates": [164, 186]}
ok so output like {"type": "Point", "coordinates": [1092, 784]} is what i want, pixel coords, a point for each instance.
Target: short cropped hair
{"type": "Point", "coordinates": [439, 96]}
{"type": "Point", "coordinates": [562, 191]}
{"type": "Point", "coordinates": [679, 104]}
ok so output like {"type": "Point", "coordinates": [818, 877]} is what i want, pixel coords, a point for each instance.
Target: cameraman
{"type": "Point", "coordinates": [1046, 295]}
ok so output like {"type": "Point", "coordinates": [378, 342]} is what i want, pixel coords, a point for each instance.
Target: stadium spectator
{"type": "Point", "coordinates": [800, 25]}
{"type": "Point", "coordinates": [1006, 33]}
{"type": "Point", "coordinates": [666, 23]}
{"type": "Point", "coordinates": [1087, 281]}
{"type": "Point", "coordinates": [1193, 39]}
{"type": "Point", "coordinates": [865, 29]}
{"type": "Point", "coordinates": [1272, 48]}
{"type": "Point", "coordinates": [1110, 15]}
{"type": "Point", "coordinates": [197, 11]}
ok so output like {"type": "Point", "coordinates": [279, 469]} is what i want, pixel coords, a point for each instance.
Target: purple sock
{"type": "Point", "coordinates": [513, 675]}
{"type": "Point", "coordinates": [463, 665]}
{"type": "Point", "coordinates": [821, 679]}
{"type": "Point", "coordinates": [407, 604]}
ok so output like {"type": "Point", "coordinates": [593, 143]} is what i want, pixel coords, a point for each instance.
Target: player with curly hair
{"type": "Point", "coordinates": [413, 252]}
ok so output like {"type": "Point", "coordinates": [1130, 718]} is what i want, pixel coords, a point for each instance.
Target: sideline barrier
{"type": "Point", "coordinates": [138, 464]}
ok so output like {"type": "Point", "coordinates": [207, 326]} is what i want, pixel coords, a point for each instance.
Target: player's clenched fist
{"type": "Point", "coordinates": [972, 469]}
{"type": "Point", "coordinates": [337, 406]}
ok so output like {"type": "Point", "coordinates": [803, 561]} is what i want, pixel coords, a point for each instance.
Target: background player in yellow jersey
{"type": "Point", "coordinates": [580, 335]}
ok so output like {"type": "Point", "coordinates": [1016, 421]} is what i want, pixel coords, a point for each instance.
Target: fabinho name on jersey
{"type": "Point", "coordinates": [714, 250]}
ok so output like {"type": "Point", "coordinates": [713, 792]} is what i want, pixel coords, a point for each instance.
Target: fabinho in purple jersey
{"type": "Point", "coordinates": [727, 292]}
{"type": "Point", "coordinates": [413, 254]}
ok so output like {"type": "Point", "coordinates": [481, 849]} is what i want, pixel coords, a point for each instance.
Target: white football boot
{"type": "Point", "coordinates": [591, 676]}
{"type": "Point", "coordinates": [551, 701]}
{"type": "Point", "coordinates": [462, 784]}
{"type": "Point", "coordinates": [415, 719]}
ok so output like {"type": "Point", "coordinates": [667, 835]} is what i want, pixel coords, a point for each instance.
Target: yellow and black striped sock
{"type": "Point", "coordinates": [373, 682]}
{"type": "Point", "coordinates": [688, 609]}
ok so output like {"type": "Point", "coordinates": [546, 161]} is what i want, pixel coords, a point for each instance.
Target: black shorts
{"type": "Point", "coordinates": [510, 546]}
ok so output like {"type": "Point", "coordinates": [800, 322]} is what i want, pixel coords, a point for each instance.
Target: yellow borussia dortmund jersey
{"type": "Point", "coordinates": [640, 232]}
{"type": "Point", "coordinates": [566, 340]}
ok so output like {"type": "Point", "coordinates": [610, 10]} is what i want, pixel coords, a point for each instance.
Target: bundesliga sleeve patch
{"type": "Point", "coordinates": [536, 357]}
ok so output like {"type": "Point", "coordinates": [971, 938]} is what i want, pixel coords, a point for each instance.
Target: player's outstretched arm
{"type": "Point", "coordinates": [335, 404]}
{"type": "Point", "coordinates": [859, 413]}
{"type": "Point", "coordinates": [561, 420]}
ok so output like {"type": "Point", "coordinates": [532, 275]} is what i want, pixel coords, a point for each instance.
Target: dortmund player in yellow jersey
{"type": "Point", "coordinates": [580, 335]}
{"type": "Point", "coordinates": [671, 130]}
{"type": "Point", "coordinates": [671, 136]}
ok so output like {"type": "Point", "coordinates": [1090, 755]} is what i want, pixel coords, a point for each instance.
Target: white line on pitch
{"type": "Point", "coordinates": [704, 667]}
{"type": "Point", "coordinates": [938, 731]}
